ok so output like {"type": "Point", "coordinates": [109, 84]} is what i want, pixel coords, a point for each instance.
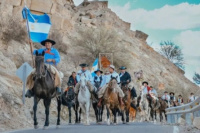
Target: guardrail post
{"type": "Point", "coordinates": [189, 118]}
{"type": "Point", "coordinates": [173, 118]}
{"type": "Point", "coordinates": [169, 119]}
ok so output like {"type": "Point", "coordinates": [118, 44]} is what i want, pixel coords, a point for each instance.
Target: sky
{"type": "Point", "coordinates": [165, 20]}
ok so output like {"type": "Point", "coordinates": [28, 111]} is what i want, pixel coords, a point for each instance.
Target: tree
{"type": "Point", "coordinates": [172, 52]}
{"type": "Point", "coordinates": [100, 40]}
{"type": "Point", "coordinates": [196, 78]}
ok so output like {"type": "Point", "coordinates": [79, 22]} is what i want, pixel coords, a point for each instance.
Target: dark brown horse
{"type": "Point", "coordinates": [69, 100]}
{"type": "Point", "coordinates": [44, 89]}
{"type": "Point", "coordinates": [163, 106]}
{"type": "Point", "coordinates": [111, 100]}
{"type": "Point", "coordinates": [127, 103]}
{"type": "Point", "coordinates": [155, 108]}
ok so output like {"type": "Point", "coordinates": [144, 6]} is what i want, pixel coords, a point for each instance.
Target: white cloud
{"type": "Point", "coordinates": [190, 42]}
{"type": "Point", "coordinates": [182, 16]}
{"type": "Point", "coordinates": [77, 2]}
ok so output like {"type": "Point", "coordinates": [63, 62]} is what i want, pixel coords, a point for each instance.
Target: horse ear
{"type": "Point", "coordinates": [43, 53]}
{"type": "Point", "coordinates": [36, 53]}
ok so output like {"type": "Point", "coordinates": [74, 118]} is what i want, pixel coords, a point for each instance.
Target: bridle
{"type": "Point", "coordinates": [39, 58]}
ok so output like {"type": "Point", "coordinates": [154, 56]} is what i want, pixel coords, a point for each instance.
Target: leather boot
{"type": "Point", "coordinates": [121, 101]}
{"type": "Point", "coordinates": [29, 93]}
{"type": "Point", "coordinates": [58, 90]}
{"type": "Point", "coordinates": [100, 100]}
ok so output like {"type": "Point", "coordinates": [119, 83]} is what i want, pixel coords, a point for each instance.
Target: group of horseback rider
{"type": "Point", "coordinates": [52, 58]}
{"type": "Point", "coordinates": [99, 81]}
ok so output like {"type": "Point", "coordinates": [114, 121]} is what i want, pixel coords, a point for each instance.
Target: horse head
{"type": "Point", "coordinates": [70, 93]}
{"type": "Point", "coordinates": [39, 63]}
{"type": "Point", "coordinates": [113, 83]}
{"type": "Point", "coordinates": [83, 81]}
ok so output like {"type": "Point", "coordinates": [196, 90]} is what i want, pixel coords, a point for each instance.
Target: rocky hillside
{"type": "Point", "coordinates": [67, 22]}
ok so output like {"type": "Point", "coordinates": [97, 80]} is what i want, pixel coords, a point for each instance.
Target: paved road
{"type": "Point", "coordinates": [94, 128]}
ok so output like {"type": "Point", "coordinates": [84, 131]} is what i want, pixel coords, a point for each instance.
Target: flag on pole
{"type": "Point", "coordinates": [95, 67]}
{"type": "Point", "coordinates": [37, 25]}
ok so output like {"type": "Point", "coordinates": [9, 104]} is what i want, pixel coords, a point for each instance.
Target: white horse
{"type": "Point", "coordinates": [84, 98]}
{"type": "Point", "coordinates": [144, 108]}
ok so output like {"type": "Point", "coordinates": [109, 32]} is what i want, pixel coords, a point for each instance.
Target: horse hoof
{"type": "Point", "coordinates": [58, 126]}
{"type": "Point", "coordinates": [45, 127]}
{"type": "Point", "coordinates": [114, 124]}
{"type": "Point", "coordinates": [36, 126]}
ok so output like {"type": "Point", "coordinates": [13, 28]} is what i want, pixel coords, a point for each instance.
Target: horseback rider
{"type": "Point", "coordinates": [104, 85]}
{"type": "Point", "coordinates": [72, 80]}
{"type": "Point", "coordinates": [51, 59]}
{"type": "Point", "coordinates": [166, 97]}
{"type": "Point", "coordinates": [98, 78]}
{"type": "Point", "coordinates": [153, 92]}
{"type": "Point", "coordinates": [88, 77]}
{"type": "Point", "coordinates": [125, 77]}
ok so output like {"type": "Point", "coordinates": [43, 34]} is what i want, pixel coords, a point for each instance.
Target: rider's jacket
{"type": "Point", "coordinates": [49, 54]}
{"type": "Point", "coordinates": [124, 77]}
{"type": "Point", "coordinates": [107, 78]}
{"type": "Point", "coordinates": [87, 74]}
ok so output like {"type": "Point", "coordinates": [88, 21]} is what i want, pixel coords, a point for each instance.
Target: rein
{"type": "Point", "coordinates": [45, 73]}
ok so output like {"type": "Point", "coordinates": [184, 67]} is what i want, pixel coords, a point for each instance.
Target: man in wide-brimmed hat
{"type": "Point", "coordinates": [166, 97]}
{"type": "Point", "coordinates": [145, 88]}
{"type": "Point", "coordinates": [51, 59]}
{"type": "Point", "coordinates": [113, 74]}
{"type": "Point", "coordinates": [98, 78]}
{"type": "Point", "coordinates": [172, 96]}
{"type": "Point", "coordinates": [125, 77]}
{"type": "Point", "coordinates": [88, 77]}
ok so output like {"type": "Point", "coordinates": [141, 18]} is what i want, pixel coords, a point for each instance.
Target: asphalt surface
{"type": "Point", "coordinates": [104, 128]}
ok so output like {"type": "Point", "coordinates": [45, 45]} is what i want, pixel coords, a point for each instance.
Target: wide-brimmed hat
{"type": "Point", "coordinates": [145, 82]}
{"type": "Point", "coordinates": [48, 40]}
{"type": "Point", "coordinates": [171, 93]}
{"type": "Point", "coordinates": [122, 68]}
{"type": "Point", "coordinates": [84, 65]}
{"type": "Point", "coordinates": [112, 66]}
{"type": "Point", "coordinates": [98, 71]}
{"type": "Point", "coordinates": [165, 92]}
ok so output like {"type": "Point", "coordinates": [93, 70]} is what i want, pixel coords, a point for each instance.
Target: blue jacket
{"type": "Point", "coordinates": [55, 55]}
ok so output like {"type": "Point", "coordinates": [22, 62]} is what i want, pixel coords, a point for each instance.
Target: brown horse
{"type": "Point", "coordinates": [127, 103]}
{"type": "Point", "coordinates": [155, 109]}
{"type": "Point", "coordinates": [163, 106]}
{"type": "Point", "coordinates": [111, 100]}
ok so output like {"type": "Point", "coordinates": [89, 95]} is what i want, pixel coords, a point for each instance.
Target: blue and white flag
{"type": "Point", "coordinates": [94, 67]}
{"type": "Point", "coordinates": [38, 25]}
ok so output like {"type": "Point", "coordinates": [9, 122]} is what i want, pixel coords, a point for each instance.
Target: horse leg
{"type": "Point", "coordinates": [70, 114]}
{"type": "Point", "coordinates": [95, 111]}
{"type": "Point", "coordinates": [101, 113]}
{"type": "Point", "coordinates": [108, 115]}
{"type": "Point", "coordinates": [36, 100]}
{"type": "Point", "coordinates": [127, 115]}
{"type": "Point", "coordinates": [80, 111]}
{"type": "Point", "coordinates": [122, 115]}
{"type": "Point", "coordinates": [87, 109]}
{"type": "Point", "coordinates": [76, 115]}
{"type": "Point", "coordinates": [47, 103]}
{"type": "Point", "coordinates": [114, 111]}
{"type": "Point", "coordinates": [58, 109]}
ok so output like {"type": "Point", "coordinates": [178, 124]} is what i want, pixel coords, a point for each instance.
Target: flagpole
{"type": "Point", "coordinates": [29, 37]}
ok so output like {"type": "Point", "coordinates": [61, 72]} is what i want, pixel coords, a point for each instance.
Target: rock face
{"type": "Point", "coordinates": [67, 20]}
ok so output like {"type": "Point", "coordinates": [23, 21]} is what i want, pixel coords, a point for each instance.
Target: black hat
{"type": "Point", "coordinates": [165, 92]}
{"type": "Point", "coordinates": [122, 68]}
{"type": "Point", "coordinates": [171, 93]}
{"type": "Point", "coordinates": [84, 65]}
{"type": "Point", "coordinates": [98, 71]}
{"type": "Point", "coordinates": [145, 82]}
{"type": "Point", "coordinates": [48, 40]}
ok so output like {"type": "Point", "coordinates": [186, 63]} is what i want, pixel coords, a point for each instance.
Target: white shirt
{"type": "Point", "coordinates": [166, 97]}
{"type": "Point", "coordinates": [154, 92]}
{"type": "Point", "coordinates": [192, 98]}
{"type": "Point", "coordinates": [107, 78]}
{"type": "Point", "coordinates": [88, 75]}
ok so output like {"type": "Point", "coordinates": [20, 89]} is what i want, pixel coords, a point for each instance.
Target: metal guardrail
{"type": "Point", "coordinates": [187, 111]}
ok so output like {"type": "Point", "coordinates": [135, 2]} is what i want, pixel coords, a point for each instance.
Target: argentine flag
{"type": "Point", "coordinates": [94, 67]}
{"type": "Point", "coordinates": [38, 25]}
